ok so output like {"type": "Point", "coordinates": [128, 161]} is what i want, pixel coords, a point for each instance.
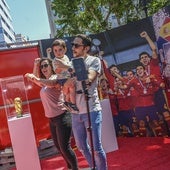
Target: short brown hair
{"type": "Point", "coordinates": [85, 39]}
{"type": "Point", "coordinates": [59, 42]}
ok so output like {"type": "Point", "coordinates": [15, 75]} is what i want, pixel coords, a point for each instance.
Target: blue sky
{"type": "Point", "coordinates": [29, 17]}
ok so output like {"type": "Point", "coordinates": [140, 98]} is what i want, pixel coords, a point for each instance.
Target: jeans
{"type": "Point", "coordinates": [80, 124]}
{"type": "Point", "coordinates": [60, 127]}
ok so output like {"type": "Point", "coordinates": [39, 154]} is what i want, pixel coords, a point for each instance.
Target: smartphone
{"type": "Point", "coordinates": [80, 68]}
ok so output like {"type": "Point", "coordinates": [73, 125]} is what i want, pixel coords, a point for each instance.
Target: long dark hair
{"type": "Point", "coordinates": [50, 63]}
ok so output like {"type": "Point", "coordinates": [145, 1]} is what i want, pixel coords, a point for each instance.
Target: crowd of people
{"type": "Point", "coordinates": [137, 98]}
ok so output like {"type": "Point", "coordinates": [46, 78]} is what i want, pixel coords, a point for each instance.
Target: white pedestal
{"type": "Point", "coordinates": [23, 143]}
{"type": "Point", "coordinates": [109, 140]}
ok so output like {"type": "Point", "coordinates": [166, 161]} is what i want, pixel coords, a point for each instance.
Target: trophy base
{"type": "Point", "coordinates": [19, 115]}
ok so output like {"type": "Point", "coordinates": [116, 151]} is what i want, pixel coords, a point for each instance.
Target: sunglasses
{"type": "Point", "coordinates": [76, 45]}
{"type": "Point", "coordinates": [43, 66]}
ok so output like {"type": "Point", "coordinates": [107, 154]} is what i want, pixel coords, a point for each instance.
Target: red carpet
{"type": "Point", "coordinates": [152, 153]}
{"type": "Point", "coordinates": [57, 162]}
{"type": "Point", "coordinates": [133, 154]}
{"type": "Point", "coordinates": [141, 154]}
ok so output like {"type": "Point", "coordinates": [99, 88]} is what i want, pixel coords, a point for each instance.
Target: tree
{"type": "Point", "coordinates": [92, 16]}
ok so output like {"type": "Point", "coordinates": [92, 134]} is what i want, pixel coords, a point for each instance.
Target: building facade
{"type": "Point", "coordinates": [7, 34]}
{"type": "Point", "coordinates": [51, 18]}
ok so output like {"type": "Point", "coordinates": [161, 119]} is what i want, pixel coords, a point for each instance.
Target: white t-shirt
{"type": "Point", "coordinates": [64, 73]}
{"type": "Point", "coordinates": [91, 63]}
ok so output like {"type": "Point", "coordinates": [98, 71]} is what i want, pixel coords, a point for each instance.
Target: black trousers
{"type": "Point", "coordinates": [60, 127]}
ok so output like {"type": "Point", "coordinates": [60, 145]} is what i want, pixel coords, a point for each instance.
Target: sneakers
{"type": "Point", "coordinates": [71, 107]}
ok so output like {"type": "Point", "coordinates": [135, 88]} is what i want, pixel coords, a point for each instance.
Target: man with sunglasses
{"type": "Point", "coordinates": [80, 47]}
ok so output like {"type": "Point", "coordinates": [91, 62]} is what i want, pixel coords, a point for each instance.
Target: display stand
{"type": "Point", "coordinates": [109, 140]}
{"type": "Point", "coordinates": [20, 123]}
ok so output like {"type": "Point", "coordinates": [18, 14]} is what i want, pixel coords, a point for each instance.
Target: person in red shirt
{"type": "Point", "coordinates": [131, 94]}
{"type": "Point", "coordinates": [145, 87]}
{"type": "Point", "coordinates": [110, 74]}
{"type": "Point", "coordinates": [151, 64]}
{"type": "Point", "coordinates": [125, 112]}
{"type": "Point", "coordinates": [104, 89]}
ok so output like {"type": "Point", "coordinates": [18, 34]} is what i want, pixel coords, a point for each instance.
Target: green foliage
{"type": "Point", "coordinates": [155, 5]}
{"type": "Point", "coordinates": [92, 16]}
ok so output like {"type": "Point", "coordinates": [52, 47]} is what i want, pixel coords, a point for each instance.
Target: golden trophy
{"type": "Point", "coordinates": [18, 106]}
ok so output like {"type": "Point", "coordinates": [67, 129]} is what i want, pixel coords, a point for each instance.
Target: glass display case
{"type": "Point", "coordinates": [20, 123]}
{"type": "Point", "coordinates": [15, 97]}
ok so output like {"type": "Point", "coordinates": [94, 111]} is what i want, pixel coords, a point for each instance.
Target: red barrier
{"type": "Point", "coordinates": [15, 62]}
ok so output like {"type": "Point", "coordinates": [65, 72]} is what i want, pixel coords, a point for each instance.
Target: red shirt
{"type": "Point", "coordinates": [144, 91]}
{"type": "Point", "coordinates": [123, 102]}
{"type": "Point", "coordinates": [154, 69]}
{"type": "Point", "coordinates": [111, 80]}
{"type": "Point", "coordinates": [108, 75]}
{"type": "Point", "coordinates": [113, 104]}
